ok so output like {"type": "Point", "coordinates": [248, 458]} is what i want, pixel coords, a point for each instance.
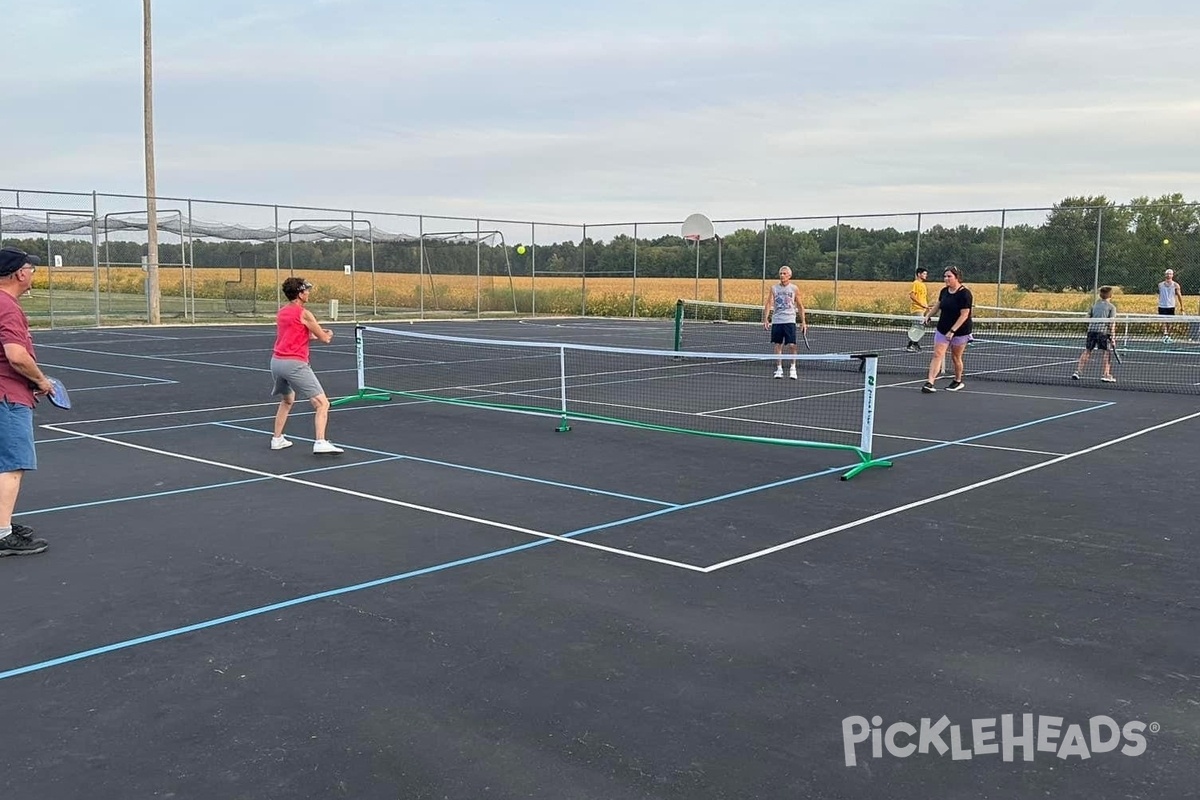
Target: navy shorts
{"type": "Point", "coordinates": [1097, 339]}
{"type": "Point", "coordinates": [1167, 312]}
{"type": "Point", "coordinates": [783, 333]}
{"type": "Point", "coordinates": [16, 437]}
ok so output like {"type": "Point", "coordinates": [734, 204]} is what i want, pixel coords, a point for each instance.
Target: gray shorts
{"type": "Point", "coordinates": [294, 376]}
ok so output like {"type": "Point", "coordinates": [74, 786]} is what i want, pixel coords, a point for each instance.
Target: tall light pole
{"type": "Point", "coordinates": [152, 291]}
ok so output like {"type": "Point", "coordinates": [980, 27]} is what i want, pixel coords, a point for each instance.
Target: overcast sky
{"type": "Point", "coordinates": [610, 111]}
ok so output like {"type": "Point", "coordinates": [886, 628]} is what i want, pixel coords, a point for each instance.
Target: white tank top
{"type": "Point", "coordinates": [1166, 294]}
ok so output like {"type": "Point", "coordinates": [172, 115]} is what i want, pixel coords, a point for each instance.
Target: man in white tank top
{"type": "Point", "coordinates": [1169, 294]}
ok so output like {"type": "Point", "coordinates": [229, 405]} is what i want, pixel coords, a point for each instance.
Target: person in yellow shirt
{"type": "Point", "coordinates": [918, 302]}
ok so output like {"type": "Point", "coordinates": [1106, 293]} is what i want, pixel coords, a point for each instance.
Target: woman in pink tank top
{"type": "Point", "coordinates": [295, 327]}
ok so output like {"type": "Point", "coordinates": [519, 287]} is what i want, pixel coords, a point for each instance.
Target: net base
{"type": "Point", "coordinates": [362, 395]}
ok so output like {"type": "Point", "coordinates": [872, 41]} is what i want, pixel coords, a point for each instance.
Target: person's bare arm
{"type": "Point", "coordinates": [315, 328]}
{"type": "Point", "coordinates": [24, 363]}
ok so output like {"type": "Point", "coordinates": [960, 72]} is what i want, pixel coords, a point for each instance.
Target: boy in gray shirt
{"type": "Point", "coordinates": [1100, 334]}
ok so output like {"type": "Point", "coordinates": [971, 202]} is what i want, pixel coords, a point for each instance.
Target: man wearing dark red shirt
{"type": "Point", "coordinates": [21, 380]}
{"type": "Point", "coordinates": [295, 326]}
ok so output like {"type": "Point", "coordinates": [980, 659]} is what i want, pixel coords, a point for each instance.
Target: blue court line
{"type": "Point", "coordinates": [467, 468]}
{"type": "Point", "coordinates": [254, 612]}
{"type": "Point", "coordinates": [419, 459]}
{"type": "Point", "coordinates": [295, 413]}
{"type": "Point", "coordinates": [484, 556]}
{"type": "Point", "coordinates": [811, 475]}
{"type": "Point", "coordinates": [206, 487]}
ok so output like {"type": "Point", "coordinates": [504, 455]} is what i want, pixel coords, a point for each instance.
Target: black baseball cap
{"type": "Point", "coordinates": [12, 259]}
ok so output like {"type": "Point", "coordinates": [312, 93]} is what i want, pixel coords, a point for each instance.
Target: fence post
{"type": "Point", "coordinates": [917, 266]}
{"type": "Point", "coordinates": [837, 256]}
{"type": "Point", "coordinates": [1000, 264]}
{"type": "Point", "coordinates": [96, 256]}
{"type": "Point", "coordinates": [278, 265]}
{"type": "Point", "coordinates": [762, 289]}
{"type": "Point", "coordinates": [635, 255]}
{"type": "Point", "coordinates": [1096, 273]}
{"type": "Point", "coordinates": [478, 272]}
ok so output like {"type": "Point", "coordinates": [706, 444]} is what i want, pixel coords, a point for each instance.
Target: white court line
{"type": "Point", "coordinates": [214, 409]}
{"type": "Point", "coordinates": [132, 335]}
{"type": "Point", "coordinates": [936, 498]}
{"type": "Point", "coordinates": [1035, 396]}
{"type": "Point", "coordinates": [878, 435]}
{"type": "Point", "coordinates": [77, 390]}
{"type": "Point", "coordinates": [387, 500]}
{"type": "Point", "coordinates": [106, 372]}
{"type": "Point", "coordinates": [154, 358]}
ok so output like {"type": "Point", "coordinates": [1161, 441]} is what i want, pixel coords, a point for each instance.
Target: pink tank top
{"type": "Point", "coordinates": [292, 337]}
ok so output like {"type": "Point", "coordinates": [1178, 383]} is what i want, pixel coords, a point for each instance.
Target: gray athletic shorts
{"type": "Point", "coordinates": [294, 376]}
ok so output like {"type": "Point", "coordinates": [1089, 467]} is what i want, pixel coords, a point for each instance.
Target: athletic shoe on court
{"type": "Point", "coordinates": [778, 372]}
{"type": "Point", "coordinates": [1106, 379]}
{"type": "Point", "coordinates": [326, 446]}
{"type": "Point", "coordinates": [954, 386]}
{"type": "Point", "coordinates": [24, 531]}
{"type": "Point", "coordinates": [280, 443]}
{"type": "Point", "coordinates": [1074, 376]}
{"type": "Point", "coordinates": [792, 374]}
{"type": "Point", "coordinates": [928, 388]}
{"type": "Point", "coordinates": [14, 545]}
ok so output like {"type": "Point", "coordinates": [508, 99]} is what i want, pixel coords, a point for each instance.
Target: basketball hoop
{"type": "Point", "coordinates": [697, 228]}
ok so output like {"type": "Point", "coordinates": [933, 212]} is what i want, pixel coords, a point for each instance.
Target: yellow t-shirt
{"type": "Point", "coordinates": [921, 291]}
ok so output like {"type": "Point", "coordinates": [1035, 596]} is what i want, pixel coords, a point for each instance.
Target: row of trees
{"type": "Point", "coordinates": [1082, 241]}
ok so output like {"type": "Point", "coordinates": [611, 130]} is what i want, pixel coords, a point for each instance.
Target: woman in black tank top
{"type": "Point", "coordinates": [953, 307]}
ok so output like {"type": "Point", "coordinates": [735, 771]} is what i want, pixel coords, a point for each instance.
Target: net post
{"type": "Point", "coordinates": [364, 392]}
{"type": "Point", "coordinates": [678, 325]}
{"type": "Point", "coordinates": [870, 369]}
{"type": "Point", "coordinates": [563, 426]}
{"type": "Point", "coordinates": [868, 409]}
{"type": "Point", "coordinates": [359, 357]}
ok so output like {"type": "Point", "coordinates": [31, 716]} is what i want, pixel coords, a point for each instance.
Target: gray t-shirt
{"type": "Point", "coordinates": [1101, 309]}
{"type": "Point", "coordinates": [783, 303]}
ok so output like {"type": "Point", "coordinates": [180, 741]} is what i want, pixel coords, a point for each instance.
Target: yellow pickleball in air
{"type": "Point", "coordinates": [520, 249]}
{"type": "Point", "coordinates": [1166, 241]}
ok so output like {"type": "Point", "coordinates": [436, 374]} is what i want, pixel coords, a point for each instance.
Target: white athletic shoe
{"type": "Point", "coordinates": [280, 443]}
{"type": "Point", "coordinates": [778, 372]}
{"type": "Point", "coordinates": [326, 446]}
{"type": "Point", "coordinates": [1109, 379]}
{"type": "Point", "coordinates": [792, 373]}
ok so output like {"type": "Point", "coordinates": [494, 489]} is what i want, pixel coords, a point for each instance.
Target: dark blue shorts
{"type": "Point", "coordinates": [783, 333]}
{"type": "Point", "coordinates": [16, 437]}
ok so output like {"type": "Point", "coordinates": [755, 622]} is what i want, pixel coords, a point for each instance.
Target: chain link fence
{"type": "Point", "coordinates": [224, 261]}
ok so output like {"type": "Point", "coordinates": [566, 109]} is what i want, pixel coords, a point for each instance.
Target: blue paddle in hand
{"type": "Point", "coordinates": [58, 394]}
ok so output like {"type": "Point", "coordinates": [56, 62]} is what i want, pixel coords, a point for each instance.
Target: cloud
{"type": "Point", "coordinates": [578, 112]}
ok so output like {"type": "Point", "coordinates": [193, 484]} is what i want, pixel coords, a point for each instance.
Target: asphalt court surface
{"type": "Point", "coordinates": [468, 603]}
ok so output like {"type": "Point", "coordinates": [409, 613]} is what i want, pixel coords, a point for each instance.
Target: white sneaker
{"type": "Point", "coordinates": [792, 373]}
{"type": "Point", "coordinates": [280, 443]}
{"type": "Point", "coordinates": [778, 372]}
{"type": "Point", "coordinates": [1109, 379]}
{"type": "Point", "coordinates": [326, 446]}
